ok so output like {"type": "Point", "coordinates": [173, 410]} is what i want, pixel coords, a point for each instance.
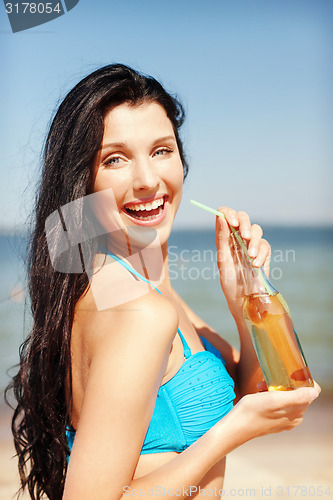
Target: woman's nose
{"type": "Point", "coordinates": [145, 176]}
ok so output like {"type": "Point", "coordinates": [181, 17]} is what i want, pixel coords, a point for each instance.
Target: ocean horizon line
{"type": "Point", "coordinates": [20, 231]}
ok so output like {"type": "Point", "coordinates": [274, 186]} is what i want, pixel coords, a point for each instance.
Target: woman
{"type": "Point", "coordinates": [115, 380]}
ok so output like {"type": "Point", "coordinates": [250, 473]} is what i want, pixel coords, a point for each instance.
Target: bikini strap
{"type": "Point", "coordinates": [131, 269]}
{"type": "Point", "coordinates": [186, 347]}
{"type": "Point", "coordinates": [187, 350]}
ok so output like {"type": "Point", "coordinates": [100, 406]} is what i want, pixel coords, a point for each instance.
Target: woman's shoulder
{"type": "Point", "coordinates": [112, 284]}
{"type": "Point", "coordinates": [108, 312]}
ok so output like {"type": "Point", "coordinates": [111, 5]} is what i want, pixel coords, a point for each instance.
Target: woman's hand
{"type": "Point", "coordinates": [275, 411]}
{"type": "Point", "coordinates": [258, 248]}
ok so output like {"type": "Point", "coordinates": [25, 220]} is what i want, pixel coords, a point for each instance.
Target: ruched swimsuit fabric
{"type": "Point", "coordinates": [191, 402]}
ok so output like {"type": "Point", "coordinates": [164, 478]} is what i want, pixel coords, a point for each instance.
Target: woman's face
{"type": "Point", "coordinates": [139, 160]}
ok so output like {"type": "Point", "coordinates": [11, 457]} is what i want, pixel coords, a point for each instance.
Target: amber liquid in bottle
{"type": "Point", "coordinates": [271, 328]}
{"type": "Point", "coordinates": [275, 341]}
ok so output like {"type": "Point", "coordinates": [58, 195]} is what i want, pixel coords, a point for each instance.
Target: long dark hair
{"type": "Point", "coordinates": [75, 135]}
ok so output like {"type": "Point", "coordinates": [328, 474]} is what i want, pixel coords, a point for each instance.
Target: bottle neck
{"type": "Point", "coordinates": [254, 280]}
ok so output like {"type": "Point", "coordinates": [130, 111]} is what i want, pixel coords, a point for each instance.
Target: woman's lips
{"type": "Point", "coordinates": [143, 214]}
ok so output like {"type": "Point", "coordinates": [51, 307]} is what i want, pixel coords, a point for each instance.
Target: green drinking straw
{"type": "Point", "coordinates": [238, 238]}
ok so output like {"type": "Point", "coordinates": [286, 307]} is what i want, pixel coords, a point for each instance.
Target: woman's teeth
{"type": "Point", "coordinates": [146, 211]}
{"type": "Point", "coordinates": [147, 206]}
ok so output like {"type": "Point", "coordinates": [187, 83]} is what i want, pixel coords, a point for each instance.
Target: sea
{"type": "Point", "coordinates": [301, 269]}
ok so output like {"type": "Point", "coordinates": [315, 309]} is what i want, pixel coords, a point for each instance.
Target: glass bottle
{"type": "Point", "coordinates": [270, 326]}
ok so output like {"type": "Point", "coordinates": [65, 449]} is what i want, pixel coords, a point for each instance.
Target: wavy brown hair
{"type": "Point", "coordinates": [75, 135]}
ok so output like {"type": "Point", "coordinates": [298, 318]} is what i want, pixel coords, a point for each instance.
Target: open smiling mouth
{"type": "Point", "coordinates": [147, 212]}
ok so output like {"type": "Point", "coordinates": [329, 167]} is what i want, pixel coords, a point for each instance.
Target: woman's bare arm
{"type": "Point", "coordinates": [129, 350]}
{"type": "Point", "coordinates": [128, 362]}
{"type": "Point", "coordinates": [255, 415]}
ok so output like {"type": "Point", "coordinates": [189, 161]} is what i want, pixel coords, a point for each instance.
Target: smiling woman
{"type": "Point", "coordinates": [141, 162]}
{"type": "Point", "coordinates": [121, 386]}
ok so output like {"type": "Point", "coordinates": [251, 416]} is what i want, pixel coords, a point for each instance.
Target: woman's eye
{"type": "Point", "coordinates": [163, 151]}
{"type": "Point", "coordinates": [114, 161]}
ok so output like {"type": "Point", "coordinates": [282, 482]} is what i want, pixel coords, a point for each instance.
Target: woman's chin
{"type": "Point", "coordinates": [153, 237]}
{"type": "Point", "coordinates": [142, 237]}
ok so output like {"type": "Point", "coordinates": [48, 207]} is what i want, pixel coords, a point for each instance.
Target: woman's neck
{"type": "Point", "coordinates": [124, 249]}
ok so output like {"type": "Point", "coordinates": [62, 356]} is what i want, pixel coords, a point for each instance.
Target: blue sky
{"type": "Point", "coordinates": [255, 77]}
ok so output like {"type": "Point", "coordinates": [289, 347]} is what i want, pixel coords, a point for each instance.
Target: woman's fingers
{"type": "Point", "coordinates": [258, 248]}
{"type": "Point", "coordinates": [230, 215]}
{"type": "Point", "coordinates": [222, 234]}
{"type": "Point", "coordinates": [317, 387]}
{"type": "Point", "coordinates": [263, 254]}
{"type": "Point", "coordinates": [240, 220]}
{"type": "Point", "coordinates": [254, 242]}
{"type": "Point", "coordinates": [245, 227]}
{"type": "Point", "coordinates": [298, 400]}
{"type": "Point", "coordinates": [276, 411]}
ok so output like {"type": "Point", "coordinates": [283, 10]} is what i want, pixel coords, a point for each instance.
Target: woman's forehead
{"type": "Point", "coordinates": [126, 119]}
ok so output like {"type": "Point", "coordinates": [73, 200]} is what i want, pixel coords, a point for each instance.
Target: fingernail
{"type": "Point", "coordinates": [246, 234]}
{"type": "Point", "coordinates": [256, 262]}
{"type": "Point", "coordinates": [234, 222]}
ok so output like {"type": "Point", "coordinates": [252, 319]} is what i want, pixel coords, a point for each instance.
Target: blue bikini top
{"type": "Point", "coordinates": [191, 402]}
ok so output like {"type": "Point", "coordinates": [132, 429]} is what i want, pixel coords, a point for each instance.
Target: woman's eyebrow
{"type": "Point", "coordinates": [112, 145]}
{"type": "Point", "coordinates": [122, 144]}
{"type": "Point", "coordinates": [166, 138]}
